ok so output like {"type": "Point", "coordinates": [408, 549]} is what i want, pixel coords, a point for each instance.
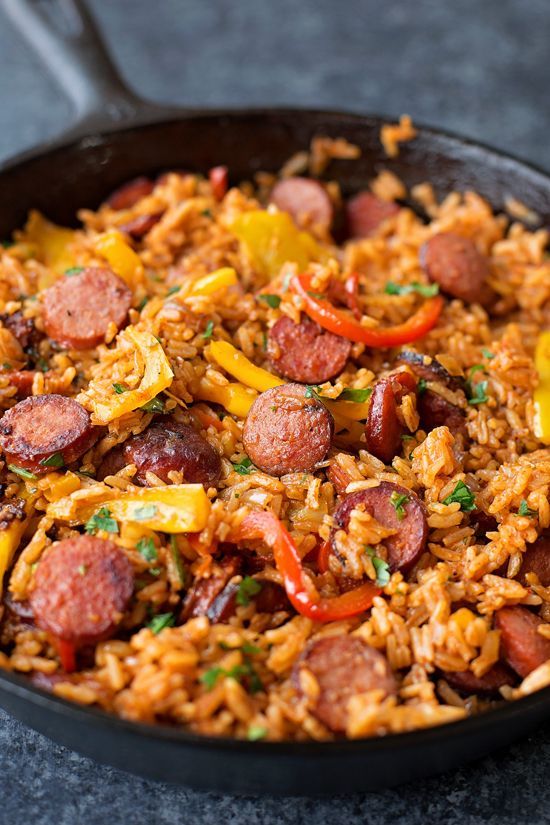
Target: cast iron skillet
{"type": "Point", "coordinates": [118, 136]}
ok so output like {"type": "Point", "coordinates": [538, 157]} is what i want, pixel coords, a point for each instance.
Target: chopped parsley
{"type": "Point", "coordinates": [7, 244]}
{"type": "Point", "coordinates": [146, 548]}
{"type": "Point", "coordinates": [178, 561]}
{"type": "Point", "coordinates": [311, 392]}
{"type": "Point", "coordinates": [6, 365]}
{"type": "Point", "coordinates": [155, 405]}
{"type": "Point", "coordinates": [146, 511]}
{"type": "Point", "coordinates": [320, 296]}
{"type": "Point", "coordinates": [246, 671]}
{"type": "Point", "coordinates": [101, 520]}
{"type": "Point", "coordinates": [55, 460]}
{"type": "Point", "coordinates": [20, 471]}
{"type": "Point", "coordinates": [206, 213]}
{"type": "Point", "coordinates": [426, 290]}
{"type": "Point", "coordinates": [160, 621]}
{"type": "Point", "coordinates": [525, 510]}
{"type": "Point", "coordinates": [173, 290]}
{"type": "Point", "coordinates": [461, 495]}
{"type": "Point", "coordinates": [142, 303]}
{"type": "Point", "coordinates": [244, 467]}
{"type": "Point", "coordinates": [476, 368]}
{"type": "Point", "coordinates": [487, 354]}
{"type": "Point", "coordinates": [272, 301]}
{"type": "Point", "coordinates": [211, 676]}
{"type": "Point", "coordinates": [74, 270]}
{"type": "Point", "coordinates": [256, 732]}
{"type": "Point", "coordinates": [398, 501]}
{"type": "Point", "coordinates": [247, 588]}
{"type": "Point", "coordinates": [120, 388]}
{"type": "Point", "coordinates": [42, 365]}
{"type": "Point", "coordinates": [209, 330]}
{"type": "Point", "coordinates": [477, 393]}
{"type": "Point", "coordinates": [422, 386]}
{"type": "Point", "coordinates": [381, 567]}
{"type": "Point", "coordinates": [250, 649]}
{"type": "Point", "coordinates": [358, 396]}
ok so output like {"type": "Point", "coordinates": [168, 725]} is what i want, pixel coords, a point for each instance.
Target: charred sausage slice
{"type": "Point", "coordinates": [365, 212]}
{"type": "Point", "coordinates": [202, 595]}
{"type": "Point", "coordinates": [44, 426]}
{"type": "Point", "coordinates": [79, 309]}
{"type": "Point", "coordinates": [457, 266]}
{"type": "Point", "coordinates": [383, 428]}
{"type": "Point", "coordinates": [82, 587]}
{"type": "Point", "coordinates": [287, 432]}
{"type": "Point", "coordinates": [466, 683]}
{"type": "Point", "coordinates": [306, 201]}
{"type": "Point", "coordinates": [343, 666]}
{"type": "Point", "coordinates": [522, 646]}
{"type": "Point", "coordinates": [536, 559]}
{"type": "Point", "coordinates": [406, 516]}
{"type": "Point", "coordinates": [130, 193]}
{"type": "Point", "coordinates": [305, 352]}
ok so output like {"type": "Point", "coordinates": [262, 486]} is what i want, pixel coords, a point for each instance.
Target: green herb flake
{"type": "Point", "coordinates": [173, 290]}
{"type": "Point", "coordinates": [357, 396]}
{"type": "Point", "coordinates": [381, 567]}
{"type": "Point", "coordinates": [120, 388]}
{"type": "Point", "coordinates": [7, 244]}
{"type": "Point", "coordinates": [145, 512]}
{"type": "Point", "coordinates": [426, 290]}
{"type": "Point", "coordinates": [209, 330]}
{"type": "Point", "coordinates": [144, 301]}
{"type": "Point", "coordinates": [74, 270]}
{"type": "Point", "coordinates": [422, 386]}
{"type": "Point", "coordinates": [319, 296]}
{"type": "Point", "coordinates": [398, 501]}
{"type": "Point", "coordinates": [206, 213]}
{"type": "Point", "coordinates": [250, 649]}
{"type": "Point", "coordinates": [55, 460]}
{"type": "Point", "coordinates": [155, 405]}
{"type": "Point", "coordinates": [272, 301]}
{"type": "Point", "coordinates": [487, 354]}
{"type": "Point", "coordinates": [6, 365]}
{"type": "Point", "coordinates": [42, 365]}
{"type": "Point", "coordinates": [82, 569]}
{"type": "Point", "coordinates": [256, 732]}
{"type": "Point", "coordinates": [477, 392]}
{"type": "Point", "coordinates": [461, 495]}
{"type": "Point", "coordinates": [312, 392]}
{"type": "Point", "coordinates": [407, 437]}
{"type": "Point", "coordinates": [178, 561]}
{"type": "Point", "coordinates": [20, 471]}
{"type": "Point", "coordinates": [101, 520]}
{"type": "Point", "coordinates": [146, 548]}
{"type": "Point", "coordinates": [244, 467]}
{"type": "Point", "coordinates": [247, 588]}
{"type": "Point", "coordinates": [264, 342]}
{"type": "Point", "coordinates": [155, 571]}
{"type": "Point", "coordinates": [210, 677]}
{"type": "Point", "coordinates": [476, 368]}
{"type": "Point", "coordinates": [160, 621]}
{"type": "Point", "coordinates": [525, 510]}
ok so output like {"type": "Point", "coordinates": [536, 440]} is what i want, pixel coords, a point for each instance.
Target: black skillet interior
{"type": "Point", "coordinates": [78, 170]}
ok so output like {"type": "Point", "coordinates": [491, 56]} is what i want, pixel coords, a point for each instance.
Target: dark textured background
{"type": "Point", "coordinates": [479, 67]}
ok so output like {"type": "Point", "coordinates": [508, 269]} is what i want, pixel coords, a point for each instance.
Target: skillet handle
{"type": "Point", "coordinates": [65, 36]}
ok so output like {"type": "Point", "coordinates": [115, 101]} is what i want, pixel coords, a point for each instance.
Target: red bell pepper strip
{"type": "Point", "coordinates": [323, 556]}
{"type": "Point", "coordinates": [67, 654]}
{"type": "Point", "coordinates": [335, 320]}
{"type": "Point", "coordinates": [218, 177]}
{"type": "Point", "coordinates": [299, 588]}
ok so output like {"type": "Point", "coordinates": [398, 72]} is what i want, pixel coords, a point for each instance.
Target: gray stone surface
{"type": "Point", "coordinates": [475, 66]}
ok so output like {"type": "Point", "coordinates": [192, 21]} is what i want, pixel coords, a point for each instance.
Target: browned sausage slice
{"type": "Point", "coordinates": [536, 559]}
{"type": "Point", "coordinates": [202, 595]}
{"type": "Point", "coordinates": [383, 428]}
{"type": "Point", "coordinates": [23, 329]}
{"type": "Point", "coordinates": [287, 432]}
{"type": "Point", "coordinates": [457, 266]}
{"type": "Point", "coordinates": [305, 352]}
{"type": "Point", "coordinates": [343, 666]}
{"type": "Point", "coordinates": [522, 646]}
{"type": "Point", "coordinates": [82, 587]}
{"type": "Point", "coordinates": [430, 369]}
{"type": "Point", "coordinates": [405, 515]}
{"type": "Point", "coordinates": [306, 201]}
{"type": "Point", "coordinates": [79, 309]}
{"type": "Point", "coordinates": [166, 446]}
{"type": "Point", "coordinates": [466, 683]}
{"type": "Point", "coordinates": [141, 225]}
{"type": "Point", "coordinates": [130, 193]}
{"type": "Point", "coordinates": [45, 432]}
{"type": "Point", "coordinates": [365, 212]}
{"type": "Point", "coordinates": [22, 380]}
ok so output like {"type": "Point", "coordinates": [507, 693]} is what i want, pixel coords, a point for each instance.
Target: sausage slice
{"type": "Point", "coordinates": [407, 516]}
{"type": "Point", "coordinates": [487, 685]}
{"type": "Point", "coordinates": [287, 432]}
{"type": "Point", "coordinates": [343, 666]}
{"type": "Point", "coordinates": [457, 266]}
{"type": "Point", "coordinates": [44, 426]}
{"type": "Point", "coordinates": [130, 193]}
{"type": "Point", "coordinates": [305, 352]}
{"type": "Point", "coordinates": [23, 329]}
{"type": "Point", "coordinates": [365, 212]}
{"type": "Point", "coordinates": [383, 428]}
{"type": "Point", "coordinates": [79, 309]}
{"type": "Point", "coordinates": [82, 587]}
{"type": "Point", "coordinates": [536, 559]}
{"type": "Point", "coordinates": [140, 225]}
{"type": "Point", "coordinates": [522, 646]}
{"type": "Point", "coordinates": [202, 595]}
{"type": "Point", "coordinates": [306, 201]}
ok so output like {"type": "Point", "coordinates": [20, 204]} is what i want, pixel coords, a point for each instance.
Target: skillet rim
{"type": "Point", "coordinates": [21, 686]}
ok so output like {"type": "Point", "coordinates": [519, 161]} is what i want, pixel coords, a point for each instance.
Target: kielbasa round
{"type": "Point", "coordinates": [82, 587]}
{"type": "Point", "coordinates": [306, 201]}
{"type": "Point", "coordinates": [466, 682]}
{"type": "Point", "coordinates": [365, 212]}
{"type": "Point", "coordinates": [286, 431]}
{"type": "Point", "coordinates": [130, 193]}
{"type": "Point", "coordinates": [457, 266]}
{"type": "Point", "coordinates": [383, 427]}
{"type": "Point", "coordinates": [305, 352]}
{"type": "Point", "coordinates": [45, 432]}
{"type": "Point", "coordinates": [394, 507]}
{"type": "Point", "coordinates": [523, 648]}
{"type": "Point", "coordinates": [79, 309]}
{"type": "Point", "coordinates": [536, 559]}
{"type": "Point", "coordinates": [343, 666]}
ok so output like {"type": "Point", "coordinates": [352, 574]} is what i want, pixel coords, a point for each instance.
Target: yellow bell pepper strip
{"type": "Point", "coordinates": [219, 279]}
{"type": "Point", "coordinates": [157, 375]}
{"type": "Point", "coordinates": [235, 398]}
{"type": "Point", "coordinates": [124, 262]}
{"type": "Point", "coordinates": [337, 321]}
{"type": "Point", "coordinates": [353, 410]}
{"type": "Point", "coordinates": [237, 364]}
{"type": "Point", "coordinates": [52, 247]}
{"type": "Point", "coordinates": [271, 239]}
{"type": "Point", "coordinates": [301, 591]}
{"type": "Point", "coordinates": [542, 392]}
{"type": "Point", "coordinates": [177, 508]}
{"type": "Point", "coordinates": [12, 535]}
